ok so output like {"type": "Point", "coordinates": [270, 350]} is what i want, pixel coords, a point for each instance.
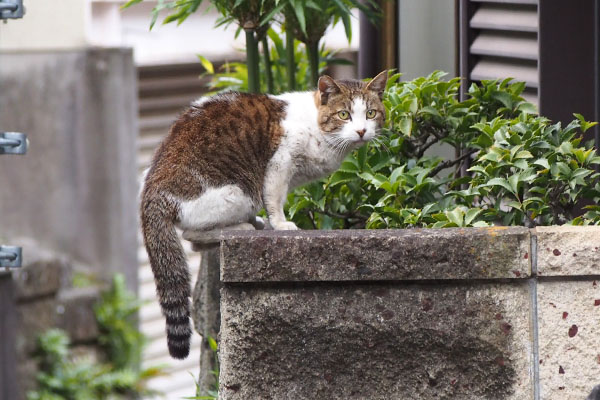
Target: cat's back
{"type": "Point", "coordinates": [220, 137]}
{"type": "Point", "coordinates": [228, 118]}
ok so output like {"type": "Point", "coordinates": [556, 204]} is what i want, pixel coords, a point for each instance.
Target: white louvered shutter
{"type": "Point", "coordinates": [504, 42]}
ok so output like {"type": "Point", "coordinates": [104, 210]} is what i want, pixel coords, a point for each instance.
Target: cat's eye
{"type": "Point", "coordinates": [344, 115]}
{"type": "Point", "coordinates": [371, 114]}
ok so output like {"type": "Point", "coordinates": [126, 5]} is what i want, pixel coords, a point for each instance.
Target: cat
{"type": "Point", "coordinates": [231, 154]}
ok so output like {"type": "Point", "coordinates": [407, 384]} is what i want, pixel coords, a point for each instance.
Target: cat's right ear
{"type": "Point", "coordinates": [327, 86]}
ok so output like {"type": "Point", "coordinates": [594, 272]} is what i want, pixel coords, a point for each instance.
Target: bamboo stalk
{"type": "Point", "coordinates": [312, 51]}
{"type": "Point", "coordinates": [290, 59]}
{"type": "Point", "coordinates": [267, 59]}
{"type": "Point", "coordinates": [252, 62]}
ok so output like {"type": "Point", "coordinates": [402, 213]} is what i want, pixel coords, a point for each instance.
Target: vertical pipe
{"type": "Point", "coordinates": [369, 62]}
{"type": "Point", "coordinates": [390, 34]}
{"type": "Point", "coordinates": [463, 54]}
{"type": "Point", "coordinates": [456, 37]}
{"type": "Point", "coordinates": [597, 72]}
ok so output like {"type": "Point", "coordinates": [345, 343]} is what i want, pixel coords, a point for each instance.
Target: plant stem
{"type": "Point", "coordinates": [290, 58]}
{"type": "Point", "coordinates": [312, 51]}
{"type": "Point", "coordinates": [449, 163]}
{"type": "Point", "coordinates": [252, 62]}
{"type": "Point", "coordinates": [267, 58]}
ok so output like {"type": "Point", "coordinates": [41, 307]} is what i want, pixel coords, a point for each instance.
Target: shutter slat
{"type": "Point", "coordinates": [504, 42]}
{"type": "Point", "coordinates": [173, 103]}
{"type": "Point", "coordinates": [489, 68]}
{"type": "Point", "coordinates": [507, 1]}
{"type": "Point", "coordinates": [531, 96]}
{"type": "Point", "coordinates": [171, 85]}
{"type": "Point", "coordinates": [507, 44]}
{"type": "Point", "coordinates": [505, 17]}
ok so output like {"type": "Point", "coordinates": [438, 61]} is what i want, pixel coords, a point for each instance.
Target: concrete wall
{"type": "Point", "coordinates": [41, 298]}
{"type": "Point", "coordinates": [502, 313]}
{"type": "Point", "coordinates": [75, 190]}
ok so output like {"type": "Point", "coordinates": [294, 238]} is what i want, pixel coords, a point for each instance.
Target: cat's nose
{"type": "Point", "coordinates": [361, 132]}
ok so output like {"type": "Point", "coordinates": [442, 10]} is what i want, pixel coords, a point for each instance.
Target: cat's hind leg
{"type": "Point", "coordinates": [217, 208]}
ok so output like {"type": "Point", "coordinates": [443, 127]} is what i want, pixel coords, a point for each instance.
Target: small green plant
{"type": "Point", "coordinates": [522, 169]}
{"type": "Point", "coordinates": [213, 393]}
{"type": "Point", "coordinates": [119, 336]}
{"type": "Point", "coordinates": [63, 377]}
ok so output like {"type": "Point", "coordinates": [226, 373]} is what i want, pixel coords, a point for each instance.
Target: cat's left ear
{"type": "Point", "coordinates": [377, 84]}
{"type": "Point", "coordinates": [327, 86]}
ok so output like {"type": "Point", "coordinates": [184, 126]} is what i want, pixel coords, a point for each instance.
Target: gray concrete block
{"type": "Point", "coordinates": [569, 338]}
{"type": "Point", "coordinates": [376, 341]}
{"type": "Point", "coordinates": [568, 250]}
{"type": "Point", "coordinates": [33, 319]}
{"type": "Point", "coordinates": [76, 314]}
{"type": "Point", "coordinates": [42, 274]}
{"type": "Point", "coordinates": [350, 255]}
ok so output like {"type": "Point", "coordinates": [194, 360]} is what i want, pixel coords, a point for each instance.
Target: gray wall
{"type": "Point", "coordinates": [427, 37]}
{"type": "Point", "coordinates": [75, 190]}
{"type": "Point", "coordinates": [503, 313]}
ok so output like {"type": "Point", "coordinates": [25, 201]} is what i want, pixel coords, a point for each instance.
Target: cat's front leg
{"type": "Point", "coordinates": [275, 189]}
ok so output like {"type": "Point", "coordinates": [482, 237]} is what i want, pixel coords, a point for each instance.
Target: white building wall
{"type": "Point", "coordinates": [67, 24]}
{"type": "Point", "coordinates": [427, 37]}
{"type": "Point", "coordinates": [47, 25]}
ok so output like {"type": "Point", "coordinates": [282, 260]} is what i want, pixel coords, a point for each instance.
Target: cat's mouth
{"type": "Point", "coordinates": [361, 141]}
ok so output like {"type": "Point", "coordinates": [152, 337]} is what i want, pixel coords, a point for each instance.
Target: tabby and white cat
{"type": "Point", "coordinates": [229, 155]}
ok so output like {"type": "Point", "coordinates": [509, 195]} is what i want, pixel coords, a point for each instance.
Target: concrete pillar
{"type": "Point", "coordinates": [75, 190]}
{"type": "Point", "coordinates": [207, 313]}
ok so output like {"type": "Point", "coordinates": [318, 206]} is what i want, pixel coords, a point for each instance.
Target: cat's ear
{"type": "Point", "coordinates": [327, 86]}
{"type": "Point", "coordinates": [377, 84]}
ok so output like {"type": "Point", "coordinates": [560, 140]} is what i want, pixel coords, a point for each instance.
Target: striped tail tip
{"type": "Point", "coordinates": [179, 346]}
{"type": "Point", "coordinates": [179, 335]}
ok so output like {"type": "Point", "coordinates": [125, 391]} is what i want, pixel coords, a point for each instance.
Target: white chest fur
{"type": "Point", "coordinates": [303, 144]}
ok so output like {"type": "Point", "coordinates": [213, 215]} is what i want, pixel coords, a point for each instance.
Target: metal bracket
{"type": "Point", "coordinates": [13, 143]}
{"type": "Point", "coordinates": [11, 257]}
{"type": "Point", "coordinates": [11, 9]}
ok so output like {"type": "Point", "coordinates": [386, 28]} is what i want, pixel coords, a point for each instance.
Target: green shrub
{"type": "Point", "coordinates": [63, 377]}
{"type": "Point", "coordinates": [523, 169]}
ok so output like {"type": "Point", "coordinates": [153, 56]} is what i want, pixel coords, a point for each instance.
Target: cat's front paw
{"type": "Point", "coordinates": [284, 226]}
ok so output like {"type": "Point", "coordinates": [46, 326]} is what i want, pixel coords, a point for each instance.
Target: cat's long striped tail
{"type": "Point", "coordinates": [170, 270]}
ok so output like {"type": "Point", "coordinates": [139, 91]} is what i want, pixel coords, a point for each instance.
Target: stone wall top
{"type": "Point", "coordinates": [568, 250]}
{"type": "Point", "coordinates": [375, 255]}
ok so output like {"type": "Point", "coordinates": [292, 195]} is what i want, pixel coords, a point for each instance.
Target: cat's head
{"type": "Point", "coordinates": [350, 111]}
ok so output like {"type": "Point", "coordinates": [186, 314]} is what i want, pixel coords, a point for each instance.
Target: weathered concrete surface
{"type": "Point", "coordinates": [42, 298]}
{"type": "Point", "coordinates": [75, 190]}
{"type": "Point", "coordinates": [375, 341]}
{"type": "Point", "coordinates": [43, 272]}
{"type": "Point", "coordinates": [569, 339]}
{"type": "Point", "coordinates": [351, 255]}
{"type": "Point", "coordinates": [207, 315]}
{"type": "Point", "coordinates": [568, 250]}
{"type": "Point", "coordinates": [76, 313]}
